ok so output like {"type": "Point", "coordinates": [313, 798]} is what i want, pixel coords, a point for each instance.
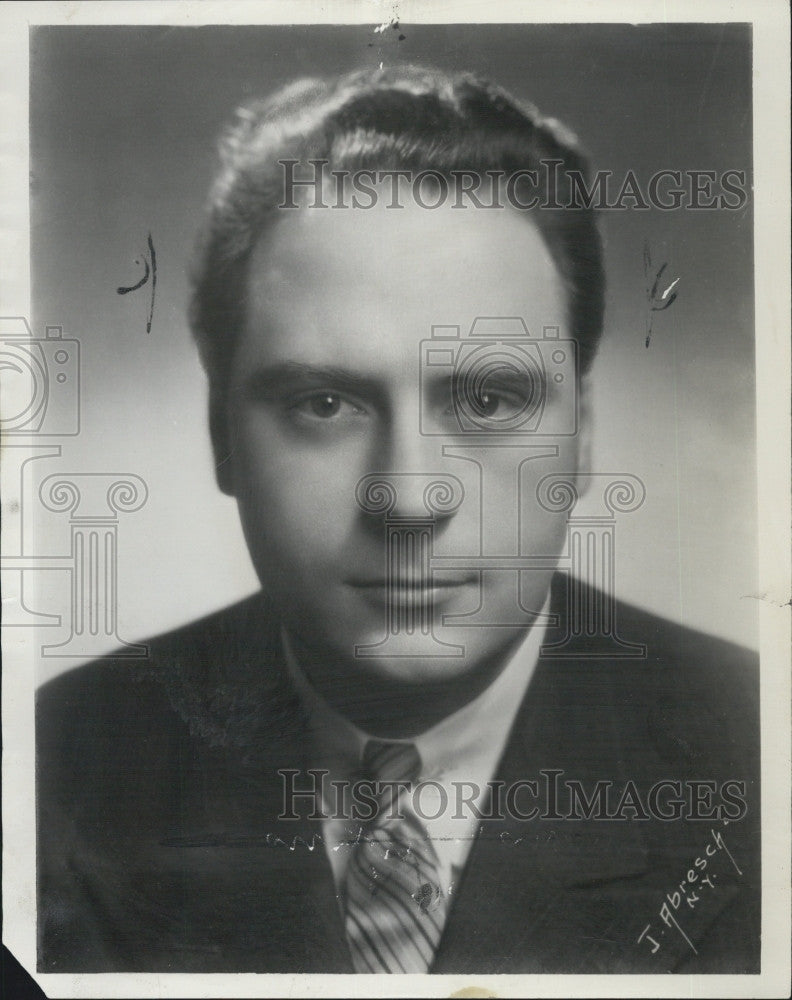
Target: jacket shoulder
{"type": "Point", "coordinates": [696, 694]}
{"type": "Point", "coordinates": [118, 703]}
{"type": "Point", "coordinates": [685, 658]}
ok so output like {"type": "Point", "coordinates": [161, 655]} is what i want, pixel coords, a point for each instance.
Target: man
{"type": "Point", "coordinates": [420, 748]}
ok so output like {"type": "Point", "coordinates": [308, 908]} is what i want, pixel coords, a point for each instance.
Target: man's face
{"type": "Point", "coordinates": [330, 384]}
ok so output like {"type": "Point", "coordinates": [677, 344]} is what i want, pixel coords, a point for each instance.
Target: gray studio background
{"type": "Point", "coordinates": [123, 129]}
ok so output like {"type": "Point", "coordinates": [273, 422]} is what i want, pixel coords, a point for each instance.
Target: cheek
{"type": "Point", "coordinates": [512, 479]}
{"type": "Point", "coordinates": [295, 507]}
{"type": "Point", "coordinates": [543, 530]}
{"type": "Point", "coordinates": [542, 534]}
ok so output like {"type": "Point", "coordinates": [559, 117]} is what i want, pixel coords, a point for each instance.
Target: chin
{"type": "Point", "coordinates": [443, 655]}
{"type": "Point", "coordinates": [409, 669]}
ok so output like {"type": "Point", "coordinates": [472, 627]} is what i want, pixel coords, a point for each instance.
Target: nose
{"type": "Point", "coordinates": [409, 496]}
{"type": "Point", "coordinates": [412, 483]}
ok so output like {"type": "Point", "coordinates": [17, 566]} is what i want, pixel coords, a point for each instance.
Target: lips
{"type": "Point", "coordinates": [424, 592]}
{"type": "Point", "coordinates": [437, 581]}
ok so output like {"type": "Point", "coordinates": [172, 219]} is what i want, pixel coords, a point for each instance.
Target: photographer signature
{"type": "Point", "coordinates": [689, 891]}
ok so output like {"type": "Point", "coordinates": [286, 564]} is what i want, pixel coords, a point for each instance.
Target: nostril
{"type": "Point", "coordinates": [421, 495]}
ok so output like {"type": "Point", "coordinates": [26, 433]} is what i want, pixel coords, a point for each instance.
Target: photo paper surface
{"type": "Point", "coordinates": [395, 536]}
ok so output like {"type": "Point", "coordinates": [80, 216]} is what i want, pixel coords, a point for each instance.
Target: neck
{"type": "Point", "coordinates": [392, 707]}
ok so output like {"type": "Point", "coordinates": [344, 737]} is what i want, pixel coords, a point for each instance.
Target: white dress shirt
{"type": "Point", "coordinates": [464, 747]}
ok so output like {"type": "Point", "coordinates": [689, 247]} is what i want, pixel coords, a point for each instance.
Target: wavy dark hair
{"type": "Point", "coordinates": [399, 118]}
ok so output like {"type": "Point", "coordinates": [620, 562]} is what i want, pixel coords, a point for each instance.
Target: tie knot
{"type": "Point", "coordinates": [389, 760]}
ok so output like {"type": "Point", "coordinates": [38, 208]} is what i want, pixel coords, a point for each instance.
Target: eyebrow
{"type": "Point", "coordinates": [504, 377]}
{"type": "Point", "coordinates": [287, 374]}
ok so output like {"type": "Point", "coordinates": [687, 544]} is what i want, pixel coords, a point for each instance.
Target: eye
{"type": "Point", "coordinates": [325, 406]}
{"type": "Point", "coordinates": [491, 402]}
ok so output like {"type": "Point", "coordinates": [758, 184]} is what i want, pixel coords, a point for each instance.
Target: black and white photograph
{"type": "Point", "coordinates": [395, 442]}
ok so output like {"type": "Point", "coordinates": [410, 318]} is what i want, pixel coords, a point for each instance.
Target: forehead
{"type": "Point", "coordinates": [368, 284]}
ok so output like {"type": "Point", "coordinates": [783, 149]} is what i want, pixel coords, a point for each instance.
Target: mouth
{"type": "Point", "coordinates": [432, 590]}
{"type": "Point", "coordinates": [415, 581]}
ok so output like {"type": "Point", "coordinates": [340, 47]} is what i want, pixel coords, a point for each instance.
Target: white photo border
{"type": "Point", "coordinates": [770, 20]}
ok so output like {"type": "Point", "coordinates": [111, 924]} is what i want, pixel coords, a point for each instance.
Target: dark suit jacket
{"type": "Point", "coordinates": [160, 848]}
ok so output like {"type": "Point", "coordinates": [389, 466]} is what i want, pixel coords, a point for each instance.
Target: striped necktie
{"type": "Point", "coordinates": [395, 906]}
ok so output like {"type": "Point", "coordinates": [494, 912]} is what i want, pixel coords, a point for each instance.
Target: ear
{"type": "Point", "coordinates": [585, 435]}
{"type": "Point", "coordinates": [221, 441]}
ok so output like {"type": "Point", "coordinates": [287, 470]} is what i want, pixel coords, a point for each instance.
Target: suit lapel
{"type": "Point", "coordinates": [300, 914]}
{"type": "Point", "coordinates": [513, 904]}
{"type": "Point", "coordinates": [270, 881]}
{"type": "Point", "coordinates": [575, 895]}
